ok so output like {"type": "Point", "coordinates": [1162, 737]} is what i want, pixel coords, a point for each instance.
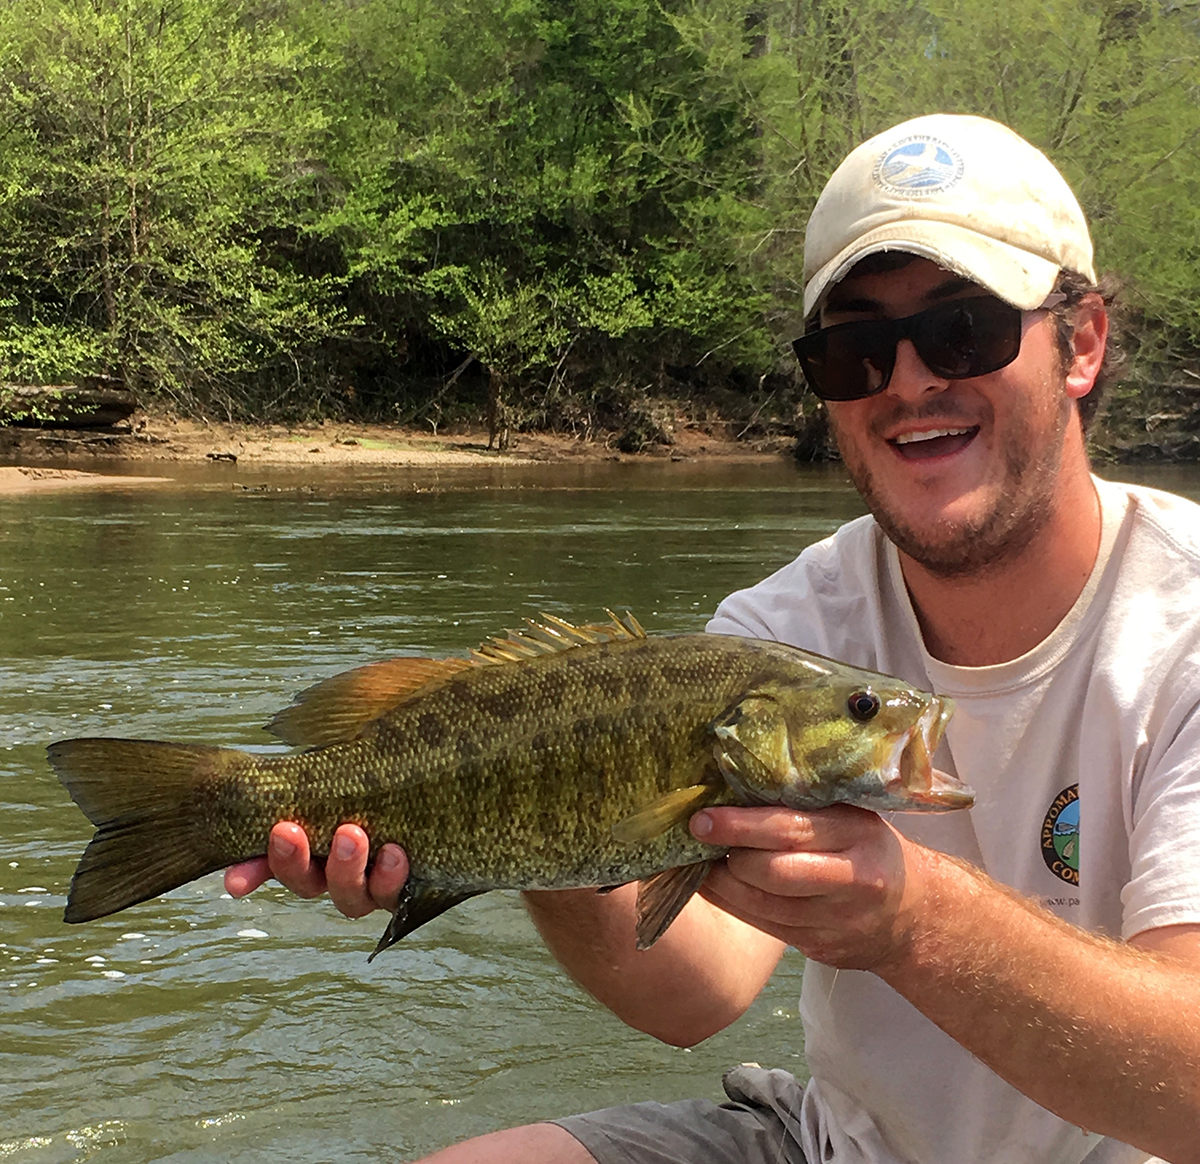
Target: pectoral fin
{"type": "Point", "coordinates": [672, 809]}
{"type": "Point", "coordinates": [417, 906]}
{"type": "Point", "coordinates": [661, 897]}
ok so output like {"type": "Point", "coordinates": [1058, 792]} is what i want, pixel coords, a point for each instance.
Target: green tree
{"type": "Point", "coordinates": [154, 155]}
{"type": "Point", "coordinates": [315, 204]}
{"type": "Point", "coordinates": [504, 173]}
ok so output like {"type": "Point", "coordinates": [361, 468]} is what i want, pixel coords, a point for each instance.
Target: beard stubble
{"type": "Point", "coordinates": [976, 545]}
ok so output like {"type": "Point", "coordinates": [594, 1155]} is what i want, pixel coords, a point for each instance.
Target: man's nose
{"type": "Point", "coordinates": [911, 379]}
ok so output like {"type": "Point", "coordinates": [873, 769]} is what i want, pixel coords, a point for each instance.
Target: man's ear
{"type": "Point", "coordinates": [1087, 345]}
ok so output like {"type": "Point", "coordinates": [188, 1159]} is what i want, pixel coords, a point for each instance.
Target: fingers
{"type": "Point", "coordinates": [783, 853]}
{"type": "Point", "coordinates": [346, 873]}
{"type": "Point", "coordinates": [827, 830]}
{"type": "Point", "coordinates": [829, 882]}
{"type": "Point", "coordinates": [288, 860]}
{"type": "Point", "coordinates": [246, 877]}
{"type": "Point", "coordinates": [291, 860]}
{"type": "Point", "coordinates": [388, 876]}
{"type": "Point", "coordinates": [787, 853]}
{"type": "Point", "coordinates": [796, 874]}
{"type": "Point", "coordinates": [343, 874]}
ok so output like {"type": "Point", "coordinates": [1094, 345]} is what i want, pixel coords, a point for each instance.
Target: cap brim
{"type": "Point", "coordinates": [1015, 275]}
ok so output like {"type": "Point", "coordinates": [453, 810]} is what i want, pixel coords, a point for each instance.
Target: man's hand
{"type": "Point", "coordinates": [343, 873]}
{"type": "Point", "coordinates": [840, 885]}
{"type": "Point", "coordinates": [1028, 994]}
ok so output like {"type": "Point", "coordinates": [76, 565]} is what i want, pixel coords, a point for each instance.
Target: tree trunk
{"type": "Point", "coordinates": [97, 402]}
{"type": "Point", "coordinates": [497, 411]}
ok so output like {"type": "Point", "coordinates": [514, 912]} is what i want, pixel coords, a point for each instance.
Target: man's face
{"type": "Point", "coordinates": [961, 474]}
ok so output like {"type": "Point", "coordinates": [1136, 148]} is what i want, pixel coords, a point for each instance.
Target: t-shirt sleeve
{"type": "Point", "coordinates": [1164, 841]}
{"type": "Point", "coordinates": [739, 615]}
{"type": "Point", "coordinates": [824, 601]}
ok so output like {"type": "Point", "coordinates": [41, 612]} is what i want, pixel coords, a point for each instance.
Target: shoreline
{"type": "Point", "coordinates": [34, 459]}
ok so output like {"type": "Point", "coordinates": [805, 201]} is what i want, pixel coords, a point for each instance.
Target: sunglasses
{"type": "Point", "coordinates": [955, 340]}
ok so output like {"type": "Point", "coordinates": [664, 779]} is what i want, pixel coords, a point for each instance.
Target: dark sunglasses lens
{"type": "Point", "coordinates": [970, 337]}
{"type": "Point", "coordinates": [849, 361]}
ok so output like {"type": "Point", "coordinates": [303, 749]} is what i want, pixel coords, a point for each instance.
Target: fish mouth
{"type": "Point", "coordinates": [917, 782]}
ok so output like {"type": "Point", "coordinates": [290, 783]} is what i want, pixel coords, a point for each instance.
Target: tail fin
{"type": "Point", "coordinates": [145, 799]}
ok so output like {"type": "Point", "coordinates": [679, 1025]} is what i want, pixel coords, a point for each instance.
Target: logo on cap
{"type": "Point", "coordinates": [918, 165]}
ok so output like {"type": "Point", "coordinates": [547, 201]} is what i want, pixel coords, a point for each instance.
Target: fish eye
{"type": "Point", "coordinates": [863, 705]}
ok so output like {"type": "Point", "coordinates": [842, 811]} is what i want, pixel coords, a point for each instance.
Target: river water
{"type": "Point", "coordinates": [198, 1028]}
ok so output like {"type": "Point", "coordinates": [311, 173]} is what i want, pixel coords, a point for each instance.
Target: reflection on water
{"type": "Point", "coordinates": [197, 1028]}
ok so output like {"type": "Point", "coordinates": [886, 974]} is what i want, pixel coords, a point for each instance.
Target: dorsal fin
{"type": "Point", "coordinates": [338, 708]}
{"type": "Point", "coordinates": [554, 634]}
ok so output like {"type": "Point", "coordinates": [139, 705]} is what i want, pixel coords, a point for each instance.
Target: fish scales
{"type": "Point", "coordinates": [552, 778]}
{"type": "Point", "coordinates": [447, 804]}
{"type": "Point", "coordinates": [562, 766]}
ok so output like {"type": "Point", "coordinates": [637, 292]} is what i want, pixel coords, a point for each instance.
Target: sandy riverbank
{"type": "Point", "coordinates": [37, 479]}
{"type": "Point", "coordinates": [56, 459]}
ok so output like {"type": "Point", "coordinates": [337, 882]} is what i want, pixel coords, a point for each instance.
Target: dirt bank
{"type": "Point", "coordinates": [32, 479]}
{"type": "Point", "coordinates": [162, 441]}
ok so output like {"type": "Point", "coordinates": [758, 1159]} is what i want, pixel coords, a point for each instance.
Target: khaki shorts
{"type": "Point", "coordinates": [759, 1125]}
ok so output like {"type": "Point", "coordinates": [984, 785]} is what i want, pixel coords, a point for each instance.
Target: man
{"type": "Point", "coordinates": [1016, 983]}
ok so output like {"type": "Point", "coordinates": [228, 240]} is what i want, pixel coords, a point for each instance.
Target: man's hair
{"type": "Point", "coordinates": [1075, 286]}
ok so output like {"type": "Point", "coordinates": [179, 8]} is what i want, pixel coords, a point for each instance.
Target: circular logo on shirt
{"type": "Point", "coordinates": [917, 166]}
{"type": "Point", "coordinates": [1060, 836]}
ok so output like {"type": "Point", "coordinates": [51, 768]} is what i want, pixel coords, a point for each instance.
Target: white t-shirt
{"type": "Point", "coordinates": [1084, 755]}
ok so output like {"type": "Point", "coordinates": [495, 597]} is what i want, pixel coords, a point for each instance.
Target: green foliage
{"type": "Point", "coordinates": [33, 351]}
{"type": "Point", "coordinates": [500, 195]}
{"type": "Point", "coordinates": [149, 158]}
{"type": "Point", "coordinates": [309, 205]}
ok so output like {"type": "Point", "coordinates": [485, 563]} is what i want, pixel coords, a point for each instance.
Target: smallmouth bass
{"type": "Point", "coordinates": [555, 758]}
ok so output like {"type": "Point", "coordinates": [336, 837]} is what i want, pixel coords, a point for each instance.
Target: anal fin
{"type": "Point", "coordinates": [661, 897]}
{"type": "Point", "coordinates": [417, 906]}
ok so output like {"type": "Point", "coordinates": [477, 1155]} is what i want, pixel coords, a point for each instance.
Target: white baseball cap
{"type": "Point", "coordinates": [966, 192]}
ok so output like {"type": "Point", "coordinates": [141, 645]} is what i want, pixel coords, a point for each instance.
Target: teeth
{"type": "Point", "coordinates": [909, 438]}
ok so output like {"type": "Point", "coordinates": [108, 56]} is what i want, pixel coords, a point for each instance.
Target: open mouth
{"type": "Point", "coordinates": [923, 784]}
{"type": "Point", "coordinates": [921, 742]}
{"type": "Point", "coordinates": [935, 442]}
